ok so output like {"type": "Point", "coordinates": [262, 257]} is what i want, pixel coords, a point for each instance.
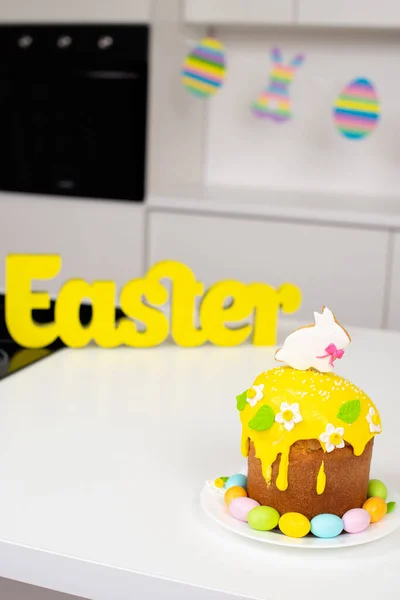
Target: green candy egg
{"type": "Point", "coordinates": [377, 489]}
{"type": "Point", "coordinates": [263, 518]}
{"type": "Point", "coordinates": [390, 507]}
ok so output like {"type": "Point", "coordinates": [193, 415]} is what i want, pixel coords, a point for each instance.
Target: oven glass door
{"type": "Point", "coordinates": [79, 131]}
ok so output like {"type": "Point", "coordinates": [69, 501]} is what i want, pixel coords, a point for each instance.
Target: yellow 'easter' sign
{"type": "Point", "coordinates": [224, 309]}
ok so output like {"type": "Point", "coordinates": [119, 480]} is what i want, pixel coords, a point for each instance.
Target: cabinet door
{"type": "Point", "coordinates": [354, 13]}
{"type": "Point", "coordinates": [393, 318]}
{"type": "Point", "coordinates": [341, 268]}
{"type": "Point", "coordinates": [90, 11]}
{"type": "Point", "coordinates": [239, 11]}
{"type": "Point", "coordinates": [96, 240]}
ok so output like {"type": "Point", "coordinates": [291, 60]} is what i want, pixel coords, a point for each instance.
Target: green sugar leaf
{"type": "Point", "coordinates": [224, 479]}
{"type": "Point", "coordinates": [241, 400]}
{"type": "Point", "coordinates": [349, 411]}
{"type": "Point", "coordinates": [390, 507]}
{"type": "Point", "coordinates": [263, 419]}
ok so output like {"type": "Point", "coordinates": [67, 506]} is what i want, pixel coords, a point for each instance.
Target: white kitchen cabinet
{"type": "Point", "coordinates": [393, 317]}
{"type": "Point", "coordinates": [96, 239]}
{"type": "Point", "coordinates": [239, 11]}
{"type": "Point", "coordinates": [89, 11]}
{"type": "Point", "coordinates": [343, 268]}
{"type": "Point", "coordinates": [351, 13]}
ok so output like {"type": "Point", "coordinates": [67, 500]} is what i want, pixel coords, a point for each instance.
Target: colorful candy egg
{"type": "Point", "coordinates": [219, 482]}
{"type": "Point", "coordinates": [240, 507]}
{"type": "Point", "coordinates": [356, 520]}
{"type": "Point", "coordinates": [238, 479]}
{"type": "Point", "coordinates": [326, 526]}
{"type": "Point", "coordinates": [204, 68]}
{"type": "Point", "coordinates": [356, 110]}
{"type": "Point", "coordinates": [294, 525]}
{"type": "Point", "coordinates": [376, 507]}
{"type": "Point", "coordinates": [263, 518]}
{"type": "Point", "coordinates": [377, 489]}
{"type": "Point", "coordinates": [234, 492]}
{"type": "Point", "coordinates": [391, 506]}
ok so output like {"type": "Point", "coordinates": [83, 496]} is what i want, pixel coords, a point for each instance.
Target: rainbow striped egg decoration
{"type": "Point", "coordinates": [204, 68]}
{"type": "Point", "coordinates": [356, 110]}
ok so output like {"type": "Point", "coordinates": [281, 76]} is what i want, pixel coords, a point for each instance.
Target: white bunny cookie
{"type": "Point", "coordinates": [317, 345]}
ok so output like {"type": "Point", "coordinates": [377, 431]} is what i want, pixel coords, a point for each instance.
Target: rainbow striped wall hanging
{"type": "Point", "coordinates": [274, 102]}
{"type": "Point", "coordinates": [356, 110]}
{"type": "Point", "coordinates": [204, 69]}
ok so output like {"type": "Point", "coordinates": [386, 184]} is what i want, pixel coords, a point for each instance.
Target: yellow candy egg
{"type": "Point", "coordinates": [376, 507]}
{"type": "Point", "coordinates": [234, 492]}
{"type": "Point", "coordinates": [294, 525]}
{"type": "Point", "coordinates": [219, 483]}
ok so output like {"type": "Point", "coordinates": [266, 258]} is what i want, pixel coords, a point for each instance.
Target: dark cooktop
{"type": "Point", "coordinates": [13, 357]}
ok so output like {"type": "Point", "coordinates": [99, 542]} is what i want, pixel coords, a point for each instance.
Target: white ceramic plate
{"type": "Point", "coordinates": [212, 502]}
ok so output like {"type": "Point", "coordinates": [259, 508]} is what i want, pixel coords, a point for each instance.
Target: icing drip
{"type": "Point", "coordinates": [320, 397]}
{"type": "Point", "coordinates": [321, 480]}
{"type": "Point", "coordinates": [282, 479]}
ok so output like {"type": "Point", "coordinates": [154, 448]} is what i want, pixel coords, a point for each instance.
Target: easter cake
{"type": "Point", "coordinates": [308, 433]}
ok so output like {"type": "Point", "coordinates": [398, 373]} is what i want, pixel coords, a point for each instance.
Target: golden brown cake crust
{"type": "Point", "coordinates": [347, 479]}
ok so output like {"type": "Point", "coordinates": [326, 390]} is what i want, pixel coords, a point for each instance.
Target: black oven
{"type": "Point", "coordinates": [73, 110]}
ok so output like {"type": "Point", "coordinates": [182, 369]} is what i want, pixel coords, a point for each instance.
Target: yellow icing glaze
{"type": "Point", "coordinates": [282, 479]}
{"type": "Point", "coordinates": [320, 397]}
{"type": "Point", "coordinates": [321, 479]}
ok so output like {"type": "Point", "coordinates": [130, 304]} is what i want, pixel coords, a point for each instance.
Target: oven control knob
{"type": "Point", "coordinates": [105, 42]}
{"type": "Point", "coordinates": [25, 41]}
{"type": "Point", "coordinates": [64, 41]}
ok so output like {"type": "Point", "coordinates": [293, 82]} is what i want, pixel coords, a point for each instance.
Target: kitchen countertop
{"type": "Point", "coordinates": [307, 206]}
{"type": "Point", "coordinates": [103, 454]}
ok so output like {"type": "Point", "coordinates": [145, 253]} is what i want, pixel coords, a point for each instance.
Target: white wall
{"type": "Point", "coordinates": [307, 152]}
{"type": "Point", "coordinates": [177, 124]}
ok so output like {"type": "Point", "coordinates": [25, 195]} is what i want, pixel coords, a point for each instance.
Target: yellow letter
{"type": "Point", "coordinates": [185, 288]}
{"type": "Point", "coordinates": [156, 323]}
{"type": "Point", "coordinates": [213, 315]}
{"type": "Point", "coordinates": [21, 269]}
{"type": "Point", "coordinates": [268, 301]}
{"type": "Point", "coordinates": [102, 328]}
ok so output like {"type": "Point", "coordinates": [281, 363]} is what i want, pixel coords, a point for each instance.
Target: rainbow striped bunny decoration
{"type": "Point", "coordinates": [274, 102]}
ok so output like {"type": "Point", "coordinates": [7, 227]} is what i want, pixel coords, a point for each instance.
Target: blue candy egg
{"type": "Point", "coordinates": [326, 526]}
{"type": "Point", "coordinates": [238, 479]}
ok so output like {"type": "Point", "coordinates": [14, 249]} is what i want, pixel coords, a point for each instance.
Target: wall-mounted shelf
{"type": "Point", "coordinates": [239, 12]}
{"type": "Point", "coordinates": [363, 211]}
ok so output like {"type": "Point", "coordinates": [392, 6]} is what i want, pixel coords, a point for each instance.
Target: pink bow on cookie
{"type": "Point", "coordinates": [333, 353]}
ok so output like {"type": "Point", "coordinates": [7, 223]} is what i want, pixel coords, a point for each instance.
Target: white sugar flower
{"type": "Point", "coordinates": [255, 394]}
{"type": "Point", "coordinates": [373, 420]}
{"type": "Point", "coordinates": [289, 415]}
{"type": "Point", "coordinates": [332, 437]}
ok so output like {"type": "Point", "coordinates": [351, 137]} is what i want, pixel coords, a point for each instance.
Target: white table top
{"type": "Point", "coordinates": [103, 455]}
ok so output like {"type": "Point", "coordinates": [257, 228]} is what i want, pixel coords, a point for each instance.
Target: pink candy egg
{"type": "Point", "coordinates": [356, 520]}
{"type": "Point", "coordinates": [240, 507]}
